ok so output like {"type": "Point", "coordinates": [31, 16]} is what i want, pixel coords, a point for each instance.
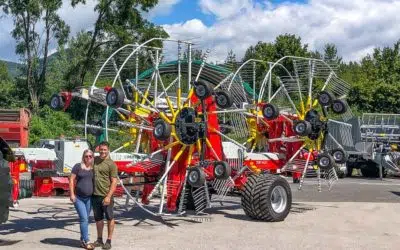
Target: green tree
{"type": "Point", "coordinates": [375, 81]}
{"type": "Point", "coordinates": [50, 124]}
{"type": "Point", "coordinates": [28, 16]}
{"type": "Point", "coordinates": [6, 87]}
{"type": "Point", "coordinates": [231, 61]}
{"type": "Point", "coordinates": [331, 53]}
{"type": "Point", "coordinates": [118, 22]}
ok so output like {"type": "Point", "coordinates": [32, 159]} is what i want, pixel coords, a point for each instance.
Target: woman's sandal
{"type": "Point", "coordinates": [90, 246]}
{"type": "Point", "coordinates": [87, 245]}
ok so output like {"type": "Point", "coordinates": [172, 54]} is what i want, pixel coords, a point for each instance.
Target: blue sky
{"type": "Point", "coordinates": [355, 27]}
{"type": "Point", "coordinates": [188, 9]}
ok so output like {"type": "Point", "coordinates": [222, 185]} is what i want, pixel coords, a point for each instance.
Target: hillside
{"type": "Point", "coordinates": [15, 68]}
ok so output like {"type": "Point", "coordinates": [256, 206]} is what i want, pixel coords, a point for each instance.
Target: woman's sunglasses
{"type": "Point", "coordinates": [88, 156]}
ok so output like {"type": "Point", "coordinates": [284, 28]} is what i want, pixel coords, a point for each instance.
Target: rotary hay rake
{"type": "Point", "coordinates": [179, 152]}
{"type": "Point", "coordinates": [309, 94]}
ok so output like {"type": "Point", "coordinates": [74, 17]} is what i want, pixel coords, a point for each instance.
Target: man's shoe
{"type": "Point", "coordinates": [107, 246]}
{"type": "Point", "coordinates": [98, 243]}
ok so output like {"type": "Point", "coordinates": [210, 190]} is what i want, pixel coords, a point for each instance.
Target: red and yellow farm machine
{"type": "Point", "coordinates": [193, 132]}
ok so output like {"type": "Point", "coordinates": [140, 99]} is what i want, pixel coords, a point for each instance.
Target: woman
{"type": "Point", "coordinates": [81, 190]}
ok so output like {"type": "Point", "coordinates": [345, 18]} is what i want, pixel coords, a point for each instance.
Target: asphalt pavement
{"type": "Point", "coordinates": [355, 214]}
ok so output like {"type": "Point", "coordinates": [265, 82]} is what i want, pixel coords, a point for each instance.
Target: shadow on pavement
{"type": "Point", "coordinates": [51, 219]}
{"type": "Point", "coordinates": [396, 193]}
{"type": "Point", "coordinates": [61, 242]}
{"type": "Point", "coordinates": [297, 208]}
{"type": "Point", "coordinates": [4, 243]}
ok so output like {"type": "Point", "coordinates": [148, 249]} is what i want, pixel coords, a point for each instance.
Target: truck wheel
{"type": "Point", "coordinates": [267, 197]}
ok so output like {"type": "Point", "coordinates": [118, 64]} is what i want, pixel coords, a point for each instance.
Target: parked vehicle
{"type": "Point", "coordinates": [6, 156]}
{"type": "Point", "coordinates": [375, 142]}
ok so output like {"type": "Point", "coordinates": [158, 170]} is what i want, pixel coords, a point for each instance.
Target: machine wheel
{"type": "Point", "coordinates": [202, 90]}
{"type": "Point", "coordinates": [339, 107]}
{"type": "Point", "coordinates": [115, 97]}
{"type": "Point", "coordinates": [325, 161]}
{"type": "Point", "coordinates": [267, 197]}
{"type": "Point", "coordinates": [162, 130]}
{"type": "Point", "coordinates": [371, 170]}
{"type": "Point", "coordinates": [196, 177]}
{"type": "Point", "coordinates": [339, 155]}
{"type": "Point", "coordinates": [247, 196]}
{"type": "Point", "coordinates": [302, 128]}
{"type": "Point", "coordinates": [223, 99]}
{"type": "Point", "coordinates": [57, 102]}
{"type": "Point", "coordinates": [325, 98]}
{"type": "Point", "coordinates": [270, 111]}
{"type": "Point", "coordinates": [349, 171]}
{"type": "Point", "coordinates": [222, 170]}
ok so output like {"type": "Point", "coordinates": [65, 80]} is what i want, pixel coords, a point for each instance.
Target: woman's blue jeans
{"type": "Point", "coordinates": [83, 207]}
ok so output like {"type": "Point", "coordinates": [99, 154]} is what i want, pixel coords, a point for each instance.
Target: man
{"type": "Point", "coordinates": [105, 183]}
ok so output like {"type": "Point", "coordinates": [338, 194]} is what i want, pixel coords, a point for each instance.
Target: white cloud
{"type": "Point", "coordinates": [225, 8]}
{"type": "Point", "coordinates": [356, 27]}
{"type": "Point", "coordinates": [164, 7]}
{"type": "Point", "coordinates": [82, 17]}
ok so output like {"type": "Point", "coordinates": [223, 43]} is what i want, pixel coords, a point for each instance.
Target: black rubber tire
{"type": "Point", "coordinates": [270, 111]}
{"type": "Point", "coordinates": [366, 172]}
{"type": "Point", "coordinates": [57, 102]}
{"type": "Point", "coordinates": [259, 201]}
{"type": "Point", "coordinates": [371, 170]}
{"type": "Point", "coordinates": [202, 90]}
{"type": "Point", "coordinates": [307, 127]}
{"type": "Point", "coordinates": [327, 157]}
{"type": "Point", "coordinates": [349, 171]}
{"type": "Point", "coordinates": [337, 151]}
{"type": "Point", "coordinates": [201, 177]}
{"type": "Point", "coordinates": [247, 195]}
{"type": "Point", "coordinates": [6, 184]}
{"type": "Point", "coordinates": [339, 107]}
{"type": "Point", "coordinates": [162, 130]}
{"type": "Point", "coordinates": [226, 170]}
{"type": "Point", "coordinates": [325, 98]}
{"type": "Point", "coordinates": [115, 98]}
{"type": "Point", "coordinates": [223, 99]}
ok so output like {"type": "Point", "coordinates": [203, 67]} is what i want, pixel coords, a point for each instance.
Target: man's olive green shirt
{"type": "Point", "coordinates": [103, 171]}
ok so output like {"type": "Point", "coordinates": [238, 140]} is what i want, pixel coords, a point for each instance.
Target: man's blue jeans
{"type": "Point", "coordinates": [83, 207]}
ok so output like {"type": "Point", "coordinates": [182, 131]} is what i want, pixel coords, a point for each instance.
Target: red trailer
{"type": "Point", "coordinates": [14, 126]}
